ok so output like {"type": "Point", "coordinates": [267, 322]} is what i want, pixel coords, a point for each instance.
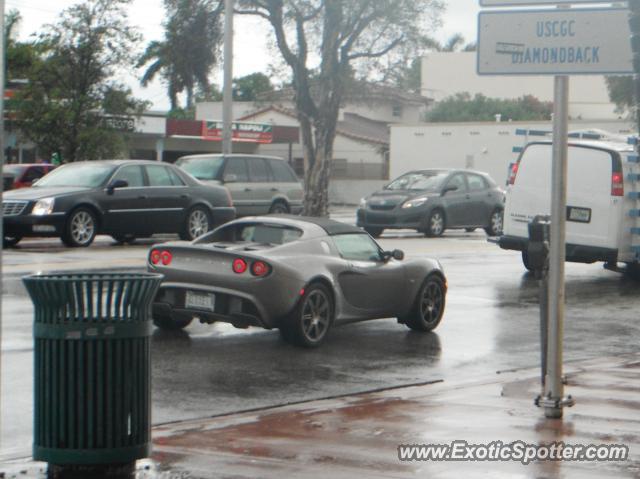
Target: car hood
{"type": "Point", "coordinates": [37, 193]}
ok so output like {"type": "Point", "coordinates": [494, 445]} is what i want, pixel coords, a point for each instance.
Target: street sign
{"type": "Point", "coordinates": [525, 3]}
{"type": "Point", "coordinates": [554, 42]}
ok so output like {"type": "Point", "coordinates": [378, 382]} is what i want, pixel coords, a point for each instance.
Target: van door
{"type": "Point", "coordinates": [261, 185]}
{"type": "Point", "coordinates": [236, 179]}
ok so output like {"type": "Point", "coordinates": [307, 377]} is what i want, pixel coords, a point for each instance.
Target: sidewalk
{"type": "Point", "coordinates": [358, 436]}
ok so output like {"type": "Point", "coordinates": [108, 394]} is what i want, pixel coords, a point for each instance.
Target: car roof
{"type": "Point", "coordinates": [329, 226]}
{"type": "Point", "coordinates": [120, 162]}
{"type": "Point", "coordinates": [605, 145]}
{"type": "Point", "coordinates": [447, 170]}
{"type": "Point", "coordinates": [231, 155]}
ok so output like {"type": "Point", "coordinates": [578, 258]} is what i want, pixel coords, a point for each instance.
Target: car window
{"type": "Point", "coordinates": [202, 168]}
{"type": "Point", "coordinates": [269, 234]}
{"type": "Point", "coordinates": [131, 174]}
{"type": "Point", "coordinates": [282, 172]}
{"type": "Point", "coordinates": [33, 173]}
{"type": "Point", "coordinates": [236, 167]}
{"type": "Point", "coordinates": [457, 180]}
{"type": "Point", "coordinates": [258, 172]}
{"type": "Point", "coordinates": [476, 182]}
{"type": "Point", "coordinates": [357, 247]}
{"type": "Point", "coordinates": [158, 176]}
{"type": "Point", "coordinates": [175, 178]}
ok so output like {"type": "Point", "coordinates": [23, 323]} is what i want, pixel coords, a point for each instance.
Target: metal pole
{"type": "Point", "coordinates": [2, 84]}
{"type": "Point", "coordinates": [227, 98]}
{"type": "Point", "coordinates": [553, 387]}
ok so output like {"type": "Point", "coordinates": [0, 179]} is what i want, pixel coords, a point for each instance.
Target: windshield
{"type": "Point", "coordinates": [420, 180]}
{"type": "Point", "coordinates": [202, 168]}
{"type": "Point", "coordinates": [90, 175]}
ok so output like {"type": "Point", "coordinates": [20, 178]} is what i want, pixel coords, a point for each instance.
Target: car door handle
{"type": "Point", "coordinates": [247, 189]}
{"type": "Point", "coordinates": [143, 197]}
{"type": "Point", "coordinates": [184, 196]}
{"type": "Point", "coordinates": [275, 189]}
{"type": "Point", "coordinates": [468, 197]}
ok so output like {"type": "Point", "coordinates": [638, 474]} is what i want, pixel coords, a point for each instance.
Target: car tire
{"type": "Point", "coordinates": [525, 260]}
{"type": "Point", "coordinates": [469, 230]}
{"type": "Point", "coordinates": [374, 232]}
{"type": "Point", "coordinates": [495, 223]}
{"type": "Point", "coordinates": [428, 307]}
{"type": "Point", "coordinates": [311, 319]}
{"type": "Point", "coordinates": [279, 208]}
{"type": "Point", "coordinates": [196, 223]}
{"type": "Point", "coordinates": [170, 323]}
{"type": "Point", "coordinates": [10, 241]}
{"type": "Point", "coordinates": [122, 239]}
{"type": "Point", "coordinates": [435, 224]}
{"type": "Point", "coordinates": [80, 229]}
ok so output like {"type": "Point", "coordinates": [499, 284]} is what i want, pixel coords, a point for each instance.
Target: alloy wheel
{"type": "Point", "coordinates": [82, 227]}
{"type": "Point", "coordinates": [436, 224]}
{"type": "Point", "coordinates": [316, 315]}
{"type": "Point", "coordinates": [431, 302]}
{"type": "Point", "coordinates": [198, 223]}
{"type": "Point", "coordinates": [496, 223]}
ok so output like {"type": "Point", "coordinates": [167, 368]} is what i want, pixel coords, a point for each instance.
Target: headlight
{"type": "Point", "coordinates": [413, 203]}
{"type": "Point", "coordinates": [363, 203]}
{"type": "Point", "coordinates": [43, 207]}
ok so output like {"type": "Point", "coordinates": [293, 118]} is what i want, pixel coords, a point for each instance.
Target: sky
{"type": "Point", "coordinates": [250, 35]}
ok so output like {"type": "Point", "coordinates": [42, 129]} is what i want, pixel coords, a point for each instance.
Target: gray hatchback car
{"type": "Point", "coordinates": [431, 201]}
{"type": "Point", "coordinates": [258, 184]}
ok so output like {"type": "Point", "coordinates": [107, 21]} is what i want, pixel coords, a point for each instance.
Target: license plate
{"type": "Point", "coordinates": [581, 215]}
{"type": "Point", "coordinates": [194, 299]}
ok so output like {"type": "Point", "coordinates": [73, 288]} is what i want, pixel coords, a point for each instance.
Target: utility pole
{"type": "Point", "coordinates": [227, 89]}
{"type": "Point", "coordinates": [2, 83]}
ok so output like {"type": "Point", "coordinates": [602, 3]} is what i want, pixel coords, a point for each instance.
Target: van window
{"type": "Point", "coordinates": [258, 171]}
{"type": "Point", "coordinates": [236, 167]}
{"type": "Point", "coordinates": [202, 168]}
{"type": "Point", "coordinates": [282, 172]}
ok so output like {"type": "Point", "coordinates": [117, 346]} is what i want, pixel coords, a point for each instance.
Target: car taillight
{"type": "Point", "coordinates": [239, 265]}
{"type": "Point", "coordinates": [617, 186]}
{"type": "Point", "coordinates": [155, 257]}
{"type": "Point", "coordinates": [514, 172]}
{"type": "Point", "coordinates": [259, 268]}
{"type": "Point", "coordinates": [166, 257]}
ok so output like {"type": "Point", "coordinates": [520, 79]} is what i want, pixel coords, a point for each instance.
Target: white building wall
{"type": "Point", "coordinates": [447, 73]}
{"type": "Point", "coordinates": [481, 146]}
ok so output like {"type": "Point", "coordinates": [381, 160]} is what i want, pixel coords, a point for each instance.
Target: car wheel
{"type": "Point", "coordinates": [469, 230]}
{"type": "Point", "coordinates": [311, 319]}
{"type": "Point", "coordinates": [196, 224]}
{"type": "Point", "coordinates": [435, 224]}
{"type": "Point", "coordinates": [122, 239]}
{"type": "Point", "coordinates": [525, 260]}
{"type": "Point", "coordinates": [279, 208]}
{"type": "Point", "coordinates": [169, 323]}
{"type": "Point", "coordinates": [375, 232]}
{"type": "Point", "coordinates": [495, 223]}
{"type": "Point", "coordinates": [81, 228]}
{"type": "Point", "coordinates": [10, 241]}
{"type": "Point", "coordinates": [429, 306]}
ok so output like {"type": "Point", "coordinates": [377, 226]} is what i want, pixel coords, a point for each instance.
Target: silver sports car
{"type": "Point", "coordinates": [300, 275]}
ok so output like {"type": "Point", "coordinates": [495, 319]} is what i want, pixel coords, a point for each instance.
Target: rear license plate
{"type": "Point", "coordinates": [581, 215]}
{"type": "Point", "coordinates": [194, 299]}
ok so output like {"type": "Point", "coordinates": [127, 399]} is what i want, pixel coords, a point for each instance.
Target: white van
{"type": "Point", "coordinates": [602, 201]}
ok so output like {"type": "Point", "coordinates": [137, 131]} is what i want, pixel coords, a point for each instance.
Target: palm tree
{"type": "Point", "coordinates": [188, 52]}
{"type": "Point", "coordinates": [454, 43]}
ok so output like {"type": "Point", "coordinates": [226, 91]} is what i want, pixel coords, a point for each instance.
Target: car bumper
{"type": "Point", "coordinates": [32, 225]}
{"type": "Point", "coordinates": [223, 214]}
{"type": "Point", "coordinates": [409, 218]}
{"type": "Point", "coordinates": [574, 253]}
{"type": "Point", "coordinates": [263, 303]}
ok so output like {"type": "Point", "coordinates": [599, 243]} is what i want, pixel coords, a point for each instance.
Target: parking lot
{"type": "Point", "coordinates": [490, 325]}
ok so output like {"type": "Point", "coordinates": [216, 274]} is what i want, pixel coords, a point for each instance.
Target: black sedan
{"type": "Point", "coordinates": [432, 201]}
{"type": "Point", "coordinates": [122, 198]}
{"type": "Point", "coordinates": [300, 275]}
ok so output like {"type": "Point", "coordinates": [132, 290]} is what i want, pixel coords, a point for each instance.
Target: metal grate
{"type": "Point", "coordinates": [13, 208]}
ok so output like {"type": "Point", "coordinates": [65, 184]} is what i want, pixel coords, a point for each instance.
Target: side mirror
{"type": "Point", "coordinates": [116, 184]}
{"type": "Point", "coordinates": [230, 178]}
{"type": "Point", "coordinates": [449, 188]}
{"type": "Point", "coordinates": [396, 254]}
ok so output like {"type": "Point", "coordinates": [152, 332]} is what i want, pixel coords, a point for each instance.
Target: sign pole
{"type": "Point", "coordinates": [227, 97]}
{"type": "Point", "coordinates": [553, 400]}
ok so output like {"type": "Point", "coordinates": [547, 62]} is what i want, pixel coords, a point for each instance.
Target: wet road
{"type": "Point", "coordinates": [490, 325]}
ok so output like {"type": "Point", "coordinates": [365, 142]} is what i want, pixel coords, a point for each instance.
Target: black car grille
{"type": "Point", "coordinates": [13, 208]}
{"type": "Point", "coordinates": [385, 207]}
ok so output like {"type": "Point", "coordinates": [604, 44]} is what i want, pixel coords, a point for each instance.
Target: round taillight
{"type": "Point", "coordinates": [155, 256]}
{"type": "Point", "coordinates": [259, 268]}
{"type": "Point", "coordinates": [239, 265]}
{"type": "Point", "coordinates": [166, 257]}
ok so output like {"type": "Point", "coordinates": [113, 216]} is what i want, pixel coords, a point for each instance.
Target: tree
{"type": "Point", "coordinates": [462, 107]}
{"type": "Point", "coordinates": [362, 36]}
{"type": "Point", "coordinates": [189, 51]}
{"type": "Point", "coordinates": [247, 88]}
{"type": "Point", "coordinates": [621, 92]}
{"type": "Point", "coordinates": [20, 57]}
{"type": "Point", "coordinates": [71, 89]}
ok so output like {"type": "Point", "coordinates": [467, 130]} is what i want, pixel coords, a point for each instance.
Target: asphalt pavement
{"type": "Point", "coordinates": [490, 325]}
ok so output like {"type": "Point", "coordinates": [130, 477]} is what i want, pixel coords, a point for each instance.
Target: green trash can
{"type": "Point", "coordinates": [92, 367]}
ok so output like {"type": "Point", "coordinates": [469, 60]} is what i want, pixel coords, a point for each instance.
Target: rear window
{"type": "Point", "coordinates": [282, 172]}
{"type": "Point", "coordinates": [260, 233]}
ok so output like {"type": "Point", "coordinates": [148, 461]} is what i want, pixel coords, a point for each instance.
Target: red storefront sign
{"type": "Point", "coordinates": [242, 132]}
